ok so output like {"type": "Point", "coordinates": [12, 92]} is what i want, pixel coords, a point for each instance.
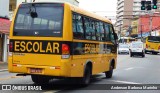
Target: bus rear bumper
{"type": "Point", "coordinates": [39, 70]}
{"type": "Point", "coordinates": [148, 50]}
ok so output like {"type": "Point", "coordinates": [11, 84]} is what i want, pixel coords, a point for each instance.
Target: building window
{"type": "Point", "coordinates": [10, 7]}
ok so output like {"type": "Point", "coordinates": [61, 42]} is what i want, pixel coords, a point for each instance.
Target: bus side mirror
{"type": "Point", "coordinates": [34, 14]}
{"type": "Point", "coordinates": [115, 36]}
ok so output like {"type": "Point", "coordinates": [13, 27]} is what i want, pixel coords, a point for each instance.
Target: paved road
{"type": "Point", "coordinates": [135, 70]}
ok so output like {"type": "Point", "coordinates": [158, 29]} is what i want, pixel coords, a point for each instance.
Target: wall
{"type": "Point", "coordinates": [4, 8]}
{"type": "Point", "coordinates": [134, 27]}
{"type": "Point", "coordinates": [128, 12]}
{"type": "Point", "coordinates": [1, 50]}
{"type": "Point", "coordinates": [145, 22]}
{"type": "Point", "coordinates": [4, 11]}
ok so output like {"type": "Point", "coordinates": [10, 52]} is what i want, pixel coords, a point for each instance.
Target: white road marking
{"type": "Point", "coordinates": [132, 68]}
{"type": "Point", "coordinates": [125, 82]}
{"type": "Point", "coordinates": [129, 68]}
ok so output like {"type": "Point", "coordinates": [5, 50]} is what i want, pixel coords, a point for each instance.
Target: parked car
{"type": "Point", "coordinates": [123, 49]}
{"type": "Point", "coordinates": [137, 48]}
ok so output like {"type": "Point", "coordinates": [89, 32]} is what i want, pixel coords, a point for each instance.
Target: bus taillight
{"type": "Point", "coordinates": [146, 46]}
{"type": "Point", "coordinates": [65, 51]}
{"type": "Point", "coordinates": [159, 48]}
{"type": "Point", "coordinates": [10, 46]}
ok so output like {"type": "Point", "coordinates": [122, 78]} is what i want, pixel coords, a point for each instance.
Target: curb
{"type": "Point", "coordinates": [3, 70]}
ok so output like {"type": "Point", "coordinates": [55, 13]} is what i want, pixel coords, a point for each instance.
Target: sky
{"type": "Point", "coordinates": [101, 7]}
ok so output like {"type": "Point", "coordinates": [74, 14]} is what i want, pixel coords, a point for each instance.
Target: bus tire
{"type": "Point", "coordinates": [143, 55]}
{"type": "Point", "coordinates": [109, 73]}
{"type": "Point", "coordinates": [131, 54]}
{"type": "Point", "coordinates": [155, 53]}
{"type": "Point", "coordinates": [85, 80]}
{"type": "Point", "coordinates": [38, 79]}
{"type": "Point", "coordinates": [146, 52]}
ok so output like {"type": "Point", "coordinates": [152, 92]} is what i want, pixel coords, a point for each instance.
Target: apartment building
{"type": "Point", "coordinates": [127, 11]}
{"type": "Point", "coordinates": [4, 29]}
{"type": "Point", "coordinates": [158, 5]}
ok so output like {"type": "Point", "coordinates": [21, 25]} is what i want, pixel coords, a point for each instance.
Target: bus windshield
{"type": "Point", "coordinates": [154, 38]}
{"type": "Point", "coordinates": [47, 20]}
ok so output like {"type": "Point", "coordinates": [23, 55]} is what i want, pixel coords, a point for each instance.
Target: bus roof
{"type": "Point", "coordinates": [87, 13]}
{"type": "Point", "coordinates": [81, 11]}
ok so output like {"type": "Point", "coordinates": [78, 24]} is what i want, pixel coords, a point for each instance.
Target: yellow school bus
{"type": "Point", "coordinates": [126, 39]}
{"type": "Point", "coordinates": [60, 40]}
{"type": "Point", "coordinates": [152, 44]}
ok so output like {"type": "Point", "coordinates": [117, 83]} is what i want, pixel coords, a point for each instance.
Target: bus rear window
{"type": "Point", "coordinates": [39, 20]}
{"type": "Point", "coordinates": [154, 38]}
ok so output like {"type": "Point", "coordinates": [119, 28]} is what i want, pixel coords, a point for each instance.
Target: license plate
{"type": "Point", "coordinates": [134, 50]}
{"type": "Point", "coordinates": [35, 70]}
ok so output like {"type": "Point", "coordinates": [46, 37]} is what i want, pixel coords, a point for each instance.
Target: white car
{"type": "Point", "coordinates": [123, 48]}
{"type": "Point", "coordinates": [137, 48]}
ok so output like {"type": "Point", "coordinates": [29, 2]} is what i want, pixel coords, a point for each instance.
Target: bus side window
{"type": "Point", "coordinates": [102, 32]}
{"type": "Point", "coordinates": [88, 33]}
{"type": "Point", "coordinates": [93, 29]}
{"type": "Point", "coordinates": [74, 23]}
{"type": "Point", "coordinates": [78, 31]}
{"type": "Point", "coordinates": [112, 34]}
{"type": "Point", "coordinates": [97, 30]}
{"type": "Point", "coordinates": [107, 31]}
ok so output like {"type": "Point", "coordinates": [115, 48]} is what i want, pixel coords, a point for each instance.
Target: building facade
{"type": "Point", "coordinates": [145, 25]}
{"type": "Point", "coordinates": [134, 25]}
{"type": "Point", "coordinates": [4, 29]}
{"type": "Point", "coordinates": [145, 28]}
{"type": "Point", "coordinates": [127, 11]}
{"type": "Point", "coordinates": [4, 7]}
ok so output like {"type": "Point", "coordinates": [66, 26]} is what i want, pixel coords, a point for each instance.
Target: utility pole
{"type": "Point", "coordinates": [150, 22]}
{"type": "Point", "coordinates": [141, 31]}
{"type": "Point", "coordinates": [140, 24]}
{"type": "Point", "coordinates": [120, 30]}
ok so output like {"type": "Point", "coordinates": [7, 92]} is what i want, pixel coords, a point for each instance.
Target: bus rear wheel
{"type": "Point", "coordinates": [85, 80]}
{"type": "Point", "coordinates": [154, 53]}
{"type": "Point", "coordinates": [131, 54]}
{"type": "Point", "coordinates": [109, 73]}
{"type": "Point", "coordinates": [38, 79]}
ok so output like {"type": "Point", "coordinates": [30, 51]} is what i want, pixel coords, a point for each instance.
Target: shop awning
{"type": "Point", "coordinates": [4, 25]}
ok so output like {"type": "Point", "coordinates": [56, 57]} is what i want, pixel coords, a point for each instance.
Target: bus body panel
{"type": "Point", "coordinates": [100, 61]}
{"type": "Point", "coordinates": [48, 62]}
{"type": "Point", "coordinates": [153, 46]}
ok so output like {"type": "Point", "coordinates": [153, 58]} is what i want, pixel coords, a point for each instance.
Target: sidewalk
{"type": "Point", "coordinates": [3, 66]}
